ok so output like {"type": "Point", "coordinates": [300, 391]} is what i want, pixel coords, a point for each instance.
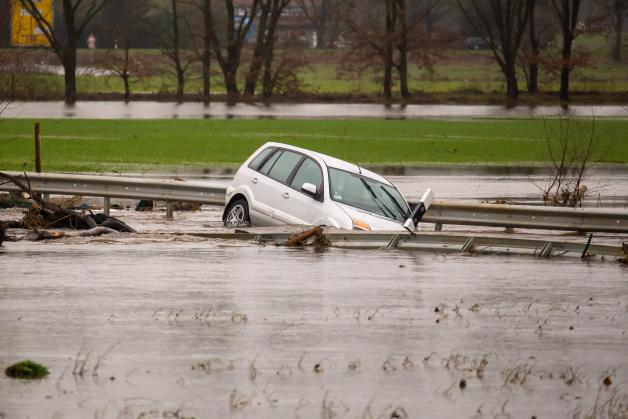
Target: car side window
{"type": "Point", "coordinates": [257, 161]}
{"type": "Point", "coordinates": [270, 162]}
{"type": "Point", "coordinates": [284, 166]}
{"type": "Point", "coordinates": [309, 172]}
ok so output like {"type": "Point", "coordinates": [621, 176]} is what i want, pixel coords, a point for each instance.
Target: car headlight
{"type": "Point", "coordinates": [360, 225]}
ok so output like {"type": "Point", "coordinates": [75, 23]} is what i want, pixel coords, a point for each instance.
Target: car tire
{"type": "Point", "coordinates": [237, 215]}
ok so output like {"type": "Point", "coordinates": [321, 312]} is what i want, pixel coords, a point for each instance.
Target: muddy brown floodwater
{"type": "Point", "coordinates": [163, 325]}
{"type": "Point", "coordinates": [221, 110]}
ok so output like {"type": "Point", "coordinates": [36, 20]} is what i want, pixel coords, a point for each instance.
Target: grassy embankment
{"type": "Point", "coordinates": [132, 145]}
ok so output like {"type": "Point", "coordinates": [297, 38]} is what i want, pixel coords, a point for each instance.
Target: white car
{"type": "Point", "coordinates": [282, 184]}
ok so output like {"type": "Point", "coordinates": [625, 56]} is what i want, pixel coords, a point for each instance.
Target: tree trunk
{"type": "Point", "coordinates": [206, 75]}
{"type": "Point", "coordinates": [388, 76]}
{"type": "Point", "coordinates": [512, 86]}
{"type": "Point", "coordinates": [535, 47]}
{"type": "Point", "coordinates": [125, 72]}
{"type": "Point", "coordinates": [533, 84]}
{"type": "Point", "coordinates": [69, 70]}
{"type": "Point", "coordinates": [566, 69]}
{"type": "Point", "coordinates": [257, 61]}
{"type": "Point", "coordinates": [180, 84]}
{"type": "Point", "coordinates": [403, 77]}
{"type": "Point", "coordinates": [388, 52]}
{"type": "Point", "coordinates": [403, 51]}
{"type": "Point", "coordinates": [569, 11]}
{"type": "Point", "coordinates": [320, 37]}
{"type": "Point", "coordinates": [321, 28]}
{"type": "Point", "coordinates": [617, 40]}
{"type": "Point", "coordinates": [207, 53]}
{"type": "Point", "coordinates": [127, 89]}
{"type": "Point", "coordinates": [231, 84]}
{"type": "Point", "coordinates": [177, 52]}
{"type": "Point", "coordinates": [268, 84]}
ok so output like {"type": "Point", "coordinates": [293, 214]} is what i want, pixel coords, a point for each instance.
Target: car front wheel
{"type": "Point", "coordinates": [238, 214]}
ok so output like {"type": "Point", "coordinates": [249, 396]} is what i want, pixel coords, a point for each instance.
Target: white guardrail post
{"type": "Point", "coordinates": [439, 213]}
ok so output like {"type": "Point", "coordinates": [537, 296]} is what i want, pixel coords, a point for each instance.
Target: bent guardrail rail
{"type": "Point", "coordinates": [427, 240]}
{"type": "Point", "coordinates": [439, 213]}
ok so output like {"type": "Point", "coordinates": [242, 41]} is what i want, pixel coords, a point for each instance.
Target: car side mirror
{"type": "Point", "coordinates": [310, 189]}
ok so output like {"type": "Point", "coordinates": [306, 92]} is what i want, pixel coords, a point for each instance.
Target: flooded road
{"type": "Point", "coordinates": [173, 110]}
{"type": "Point", "coordinates": [608, 188]}
{"type": "Point", "coordinates": [162, 325]}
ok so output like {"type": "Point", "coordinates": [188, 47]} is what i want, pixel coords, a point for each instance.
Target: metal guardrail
{"type": "Point", "coordinates": [123, 187]}
{"type": "Point", "coordinates": [427, 240]}
{"type": "Point", "coordinates": [439, 213]}
{"type": "Point", "coordinates": [528, 216]}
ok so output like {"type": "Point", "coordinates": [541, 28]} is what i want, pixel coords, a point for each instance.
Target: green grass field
{"type": "Point", "coordinates": [132, 145]}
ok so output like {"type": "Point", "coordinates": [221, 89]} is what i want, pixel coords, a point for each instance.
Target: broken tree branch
{"type": "Point", "coordinates": [46, 214]}
{"type": "Point", "coordinates": [300, 238]}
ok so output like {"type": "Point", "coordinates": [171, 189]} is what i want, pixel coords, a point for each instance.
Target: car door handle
{"type": "Point", "coordinates": [285, 195]}
{"type": "Point", "coordinates": [254, 180]}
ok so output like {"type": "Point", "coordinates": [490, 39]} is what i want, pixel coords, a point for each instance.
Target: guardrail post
{"type": "Point", "coordinates": [37, 149]}
{"type": "Point", "coordinates": [546, 251]}
{"type": "Point", "coordinates": [438, 227]}
{"type": "Point", "coordinates": [107, 205]}
{"type": "Point", "coordinates": [467, 247]}
{"type": "Point", "coordinates": [169, 210]}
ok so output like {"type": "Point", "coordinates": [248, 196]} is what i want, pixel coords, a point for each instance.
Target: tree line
{"type": "Point", "coordinates": [382, 37]}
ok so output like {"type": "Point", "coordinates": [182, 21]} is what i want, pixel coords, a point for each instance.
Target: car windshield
{"type": "Point", "coordinates": [367, 194]}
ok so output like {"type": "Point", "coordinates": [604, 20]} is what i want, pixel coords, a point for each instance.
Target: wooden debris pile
{"type": "Point", "coordinates": [43, 215]}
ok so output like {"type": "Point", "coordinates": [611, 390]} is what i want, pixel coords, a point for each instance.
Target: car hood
{"type": "Point", "coordinates": [375, 221]}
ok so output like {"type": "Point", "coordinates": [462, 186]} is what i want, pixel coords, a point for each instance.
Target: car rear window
{"type": "Point", "coordinates": [284, 166]}
{"type": "Point", "coordinates": [269, 162]}
{"type": "Point", "coordinates": [309, 172]}
{"type": "Point", "coordinates": [257, 161]}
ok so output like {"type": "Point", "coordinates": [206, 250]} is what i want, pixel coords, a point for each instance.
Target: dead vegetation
{"type": "Point", "coordinates": [43, 214]}
{"type": "Point", "coordinates": [519, 374]}
{"type": "Point", "coordinates": [609, 403]}
{"type": "Point", "coordinates": [82, 366]}
{"type": "Point", "coordinates": [572, 148]}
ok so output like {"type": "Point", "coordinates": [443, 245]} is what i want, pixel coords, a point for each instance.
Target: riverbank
{"type": "Point", "coordinates": [155, 145]}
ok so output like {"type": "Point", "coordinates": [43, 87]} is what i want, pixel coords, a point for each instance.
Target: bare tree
{"type": "Point", "coordinates": [388, 44]}
{"type": "Point", "coordinates": [76, 15]}
{"type": "Point", "coordinates": [228, 52]}
{"type": "Point", "coordinates": [119, 61]}
{"type": "Point", "coordinates": [171, 41]}
{"type": "Point", "coordinates": [540, 34]}
{"type": "Point", "coordinates": [437, 10]}
{"type": "Point", "coordinates": [200, 37]}
{"type": "Point", "coordinates": [617, 13]}
{"type": "Point", "coordinates": [5, 67]}
{"type": "Point", "coordinates": [281, 73]}
{"type": "Point", "coordinates": [270, 13]}
{"type": "Point", "coordinates": [573, 147]}
{"type": "Point", "coordinates": [567, 13]}
{"type": "Point", "coordinates": [320, 14]}
{"type": "Point", "coordinates": [502, 25]}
